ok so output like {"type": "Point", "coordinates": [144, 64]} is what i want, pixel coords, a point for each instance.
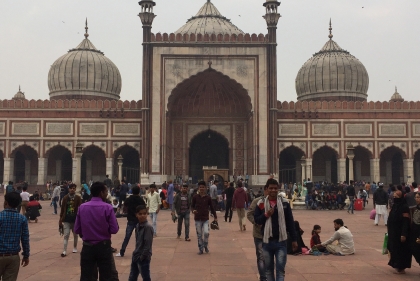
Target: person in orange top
{"type": "Point", "coordinates": [367, 188]}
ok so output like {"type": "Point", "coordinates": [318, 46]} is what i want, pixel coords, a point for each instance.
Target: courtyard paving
{"type": "Point", "coordinates": [231, 257]}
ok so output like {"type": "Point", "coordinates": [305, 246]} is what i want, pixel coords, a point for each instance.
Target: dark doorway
{"type": "Point", "coordinates": [208, 149]}
{"type": "Point", "coordinates": [131, 164]}
{"type": "Point", "coordinates": [287, 165]}
{"type": "Point", "coordinates": [320, 170]}
{"type": "Point", "coordinates": [19, 167]}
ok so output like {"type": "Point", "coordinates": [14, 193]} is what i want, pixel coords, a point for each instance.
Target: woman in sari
{"type": "Point", "coordinates": [398, 234]}
{"type": "Point", "coordinates": [415, 230]}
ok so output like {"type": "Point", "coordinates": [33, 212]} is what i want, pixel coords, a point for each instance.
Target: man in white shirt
{"type": "Point", "coordinates": [25, 199]}
{"type": "Point", "coordinates": [213, 193]}
{"type": "Point", "coordinates": [153, 206]}
{"type": "Point", "coordinates": [343, 236]}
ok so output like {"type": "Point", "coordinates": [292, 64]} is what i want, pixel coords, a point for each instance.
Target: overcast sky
{"type": "Point", "coordinates": [382, 34]}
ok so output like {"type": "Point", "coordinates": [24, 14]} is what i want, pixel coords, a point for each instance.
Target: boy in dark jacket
{"type": "Point", "coordinates": [142, 255]}
{"type": "Point", "coordinates": [182, 204]}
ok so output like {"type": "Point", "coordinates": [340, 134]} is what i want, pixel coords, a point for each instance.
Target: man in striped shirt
{"type": "Point", "coordinates": [13, 230]}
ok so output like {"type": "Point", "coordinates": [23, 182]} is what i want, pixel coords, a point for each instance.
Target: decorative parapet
{"type": "Point", "coordinates": [210, 38]}
{"type": "Point", "coordinates": [348, 105]}
{"type": "Point", "coordinates": [70, 104]}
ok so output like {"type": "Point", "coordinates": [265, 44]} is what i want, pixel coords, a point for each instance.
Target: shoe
{"type": "Point", "coordinates": [74, 250]}
{"type": "Point", "coordinates": [63, 254]}
{"type": "Point", "coordinates": [187, 239]}
{"type": "Point", "coordinates": [376, 224]}
{"type": "Point", "coordinates": [178, 237]}
{"type": "Point", "coordinates": [386, 225]}
{"type": "Point", "coordinates": [36, 220]}
{"type": "Point", "coordinates": [206, 249]}
{"type": "Point", "coordinates": [225, 220]}
{"type": "Point", "coordinates": [114, 250]}
{"type": "Point", "coordinates": [154, 235]}
{"type": "Point", "coordinates": [119, 255]}
{"type": "Point", "coordinates": [244, 228]}
{"type": "Point", "coordinates": [54, 213]}
{"type": "Point", "coordinates": [200, 252]}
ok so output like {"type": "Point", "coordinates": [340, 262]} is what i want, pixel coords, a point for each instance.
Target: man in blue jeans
{"type": "Point", "coordinates": [275, 216]}
{"type": "Point", "coordinates": [258, 237]}
{"type": "Point", "coordinates": [351, 193]}
{"type": "Point", "coordinates": [131, 203]}
{"type": "Point", "coordinates": [182, 204]}
{"type": "Point", "coordinates": [200, 205]}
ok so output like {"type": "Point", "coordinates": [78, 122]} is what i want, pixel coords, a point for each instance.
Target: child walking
{"type": "Point", "coordinates": [142, 255]}
{"type": "Point", "coordinates": [316, 240]}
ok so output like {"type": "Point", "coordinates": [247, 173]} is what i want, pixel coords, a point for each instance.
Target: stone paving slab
{"type": "Point", "coordinates": [232, 253]}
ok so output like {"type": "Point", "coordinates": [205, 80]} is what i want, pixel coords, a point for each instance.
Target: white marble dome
{"type": "Point", "coordinates": [19, 95]}
{"type": "Point", "coordinates": [332, 74]}
{"type": "Point", "coordinates": [84, 73]}
{"type": "Point", "coordinates": [209, 20]}
{"type": "Point", "coordinates": [396, 96]}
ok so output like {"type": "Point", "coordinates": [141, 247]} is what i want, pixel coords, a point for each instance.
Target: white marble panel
{"type": "Point", "coordinates": [59, 129]}
{"type": "Point", "coordinates": [26, 128]}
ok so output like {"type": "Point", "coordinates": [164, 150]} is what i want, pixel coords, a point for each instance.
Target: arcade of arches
{"type": "Point", "coordinates": [327, 165]}
{"type": "Point", "coordinates": [59, 165]}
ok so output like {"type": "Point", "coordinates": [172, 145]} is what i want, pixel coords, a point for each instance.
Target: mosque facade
{"type": "Point", "coordinates": [209, 106]}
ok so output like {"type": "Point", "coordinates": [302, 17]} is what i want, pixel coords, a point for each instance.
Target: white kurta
{"type": "Point", "coordinates": [381, 210]}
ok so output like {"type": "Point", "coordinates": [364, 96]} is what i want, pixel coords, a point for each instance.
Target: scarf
{"type": "Point", "coordinates": [268, 231]}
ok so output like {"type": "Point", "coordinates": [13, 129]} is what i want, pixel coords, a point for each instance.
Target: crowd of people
{"type": "Point", "coordinates": [92, 217]}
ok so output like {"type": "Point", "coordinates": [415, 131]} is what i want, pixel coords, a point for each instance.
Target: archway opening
{"type": "Point", "coordinates": [416, 166]}
{"type": "Point", "coordinates": [290, 169]}
{"type": "Point", "coordinates": [208, 148]}
{"type": "Point", "coordinates": [324, 165]}
{"type": "Point", "coordinates": [25, 165]}
{"type": "Point", "coordinates": [361, 164]}
{"type": "Point", "coordinates": [391, 165]}
{"type": "Point", "coordinates": [93, 164]}
{"type": "Point", "coordinates": [130, 165]}
{"type": "Point", "coordinates": [60, 164]}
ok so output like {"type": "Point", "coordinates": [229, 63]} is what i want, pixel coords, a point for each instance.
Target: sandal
{"type": "Point", "coordinates": [187, 239]}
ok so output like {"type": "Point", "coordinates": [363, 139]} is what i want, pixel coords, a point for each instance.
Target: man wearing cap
{"type": "Point", "coordinates": [380, 203]}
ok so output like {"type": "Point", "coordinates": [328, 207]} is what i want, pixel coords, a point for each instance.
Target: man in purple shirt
{"type": "Point", "coordinates": [95, 222]}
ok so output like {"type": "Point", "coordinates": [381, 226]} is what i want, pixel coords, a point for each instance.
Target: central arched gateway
{"type": "Point", "coordinates": [209, 123]}
{"type": "Point", "coordinates": [207, 149]}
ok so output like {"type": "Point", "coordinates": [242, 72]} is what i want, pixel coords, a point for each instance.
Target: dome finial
{"type": "Point", "coordinates": [19, 88]}
{"type": "Point", "coordinates": [86, 28]}
{"type": "Point", "coordinates": [330, 36]}
{"type": "Point", "coordinates": [396, 89]}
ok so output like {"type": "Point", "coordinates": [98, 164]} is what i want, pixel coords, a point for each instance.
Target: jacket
{"type": "Point", "coordinates": [131, 203]}
{"type": "Point", "coordinates": [240, 198]}
{"type": "Point", "coordinates": [229, 193]}
{"type": "Point", "coordinates": [201, 204]}
{"type": "Point", "coordinates": [177, 203]}
{"type": "Point", "coordinates": [256, 232]}
{"type": "Point", "coordinates": [260, 218]}
{"type": "Point", "coordinates": [144, 241]}
{"type": "Point", "coordinates": [380, 197]}
{"type": "Point", "coordinates": [77, 203]}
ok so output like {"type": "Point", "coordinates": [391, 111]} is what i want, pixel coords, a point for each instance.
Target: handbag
{"type": "Point", "coordinates": [372, 214]}
{"type": "Point", "coordinates": [385, 245]}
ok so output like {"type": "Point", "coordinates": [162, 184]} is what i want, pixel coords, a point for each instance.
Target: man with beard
{"type": "Point", "coordinates": [344, 238]}
{"type": "Point", "coordinates": [182, 204]}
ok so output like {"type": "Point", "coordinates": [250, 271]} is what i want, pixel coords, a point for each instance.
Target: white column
{"type": "Point", "coordinates": [303, 163]}
{"type": "Point", "coordinates": [388, 175]}
{"type": "Point", "coordinates": [351, 168]}
{"type": "Point", "coordinates": [9, 165]}
{"type": "Point", "coordinates": [109, 162]}
{"type": "Point", "coordinates": [120, 170]}
{"type": "Point", "coordinates": [76, 174]}
{"type": "Point", "coordinates": [328, 171]}
{"type": "Point", "coordinates": [341, 169]}
{"type": "Point", "coordinates": [28, 171]}
{"type": "Point", "coordinates": [374, 170]}
{"type": "Point", "coordinates": [309, 168]}
{"type": "Point", "coordinates": [358, 170]}
{"type": "Point", "coordinates": [58, 170]}
{"type": "Point", "coordinates": [408, 170]}
{"type": "Point", "coordinates": [42, 170]}
{"type": "Point", "coordinates": [88, 170]}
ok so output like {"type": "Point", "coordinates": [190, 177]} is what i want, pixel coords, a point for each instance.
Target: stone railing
{"type": "Point", "coordinates": [210, 38]}
{"type": "Point", "coordinates": [348, 105]}
{"type": "Point", "coordinates": [69, 104]}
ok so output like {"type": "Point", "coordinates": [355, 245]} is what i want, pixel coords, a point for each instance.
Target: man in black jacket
{"type": "Point", "coordinates": [380, 203]}
{"type": "Point", "coordinates": [229, 191]}
{"type": "Point", "coordinates": [351, 193]}
{"type": "Point", "coordinates": [182, 204]}
{"type": "Point", "coordinates": [131, 203]}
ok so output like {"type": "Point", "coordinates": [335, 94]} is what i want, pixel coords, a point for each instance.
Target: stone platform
{"type": "Point", "coordinates": [232, 253]}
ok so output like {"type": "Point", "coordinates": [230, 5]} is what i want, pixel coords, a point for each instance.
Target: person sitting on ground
{"type": "Point", "coordinates": [36, 195]}
{"type": "Point", "coordinates": [340, 200]}
{"type": "Point", "coordinates": [316, 240]}
{"type": "Point", "coordinates": [32, 210]}
{"type": "Point", "coordinates": [301, 245]}
{"type": "Point", "coordinates": [344, 238]}
{"type": "Point", "coordinates": [115, 205]}
{"type": "Point", "coordinates": [362, 194]}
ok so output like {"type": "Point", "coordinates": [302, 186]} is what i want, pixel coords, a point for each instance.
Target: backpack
{"type": "Point", "coordinates": [9, 188]}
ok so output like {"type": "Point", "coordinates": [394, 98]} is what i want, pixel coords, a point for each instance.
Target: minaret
{"type": "Point", "coordinates": [146, 16]}
{"type": "Point", "coordinates": [272, 18]}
